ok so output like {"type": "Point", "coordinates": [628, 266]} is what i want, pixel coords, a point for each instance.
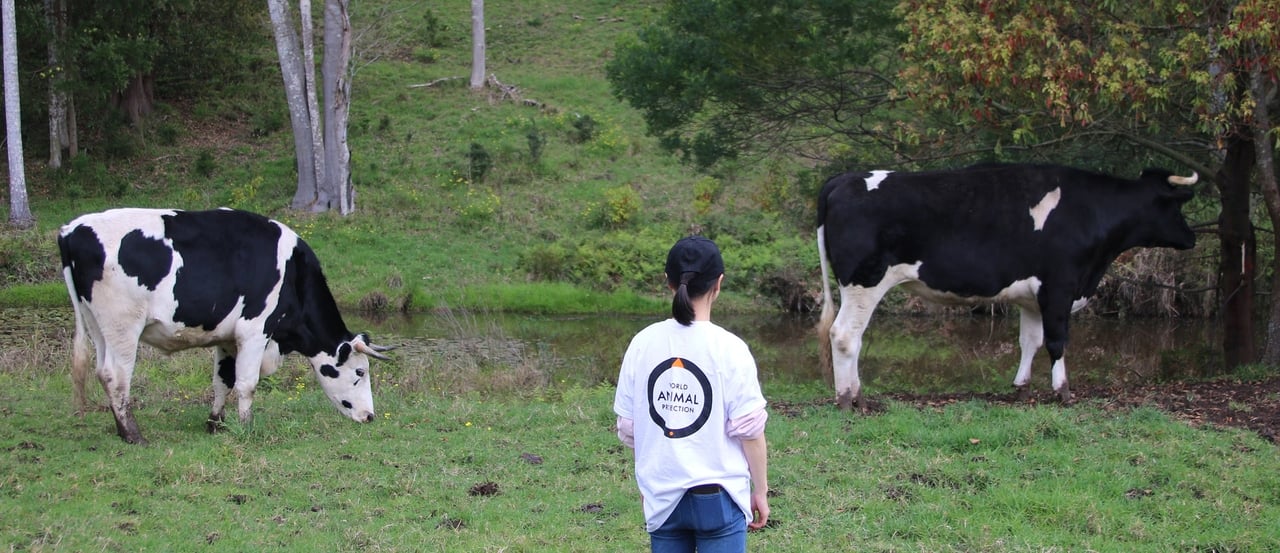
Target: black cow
{"type": "Point", "coordinates": [236, 281]}
{"type": "Point", "coordinates": [1037, 236]}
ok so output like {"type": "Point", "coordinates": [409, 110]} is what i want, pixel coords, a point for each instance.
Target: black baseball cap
{"type": "Point", "coordinates": [694, 254]}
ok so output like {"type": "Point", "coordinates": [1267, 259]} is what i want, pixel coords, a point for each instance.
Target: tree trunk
{"type": "Point", "coordinates": [137, 100]}
{"type": "Point", "coordinates": [19, 211]}
{"type": "Point", "coordinates": [477, 44]}
{"type": "Point", "coordinates": [337, 100]}
{"type": "Point", "coordinates": [59, 109]}
{"type": "Point", "coordinates": [313, 105]}
{"type": "Point", "coordinates": [1263, 147]}
{"type": "Point", "coordinates": [1237, 263]}
{"type": "Point", "coordinates": [291, 69]}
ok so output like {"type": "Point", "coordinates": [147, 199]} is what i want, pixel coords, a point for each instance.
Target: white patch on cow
{"type": "Point", "coordinates": [1079, 304]}
{"type": "Point", "coordinates": [873, 182]}
{"type": "Point", "coordinates": [1030, 339]}
{"type": "Point", "coordinates": [1040, 212]}
{"type": "Point", "coordinates": [1021, 293]}
{"type": "Point", "coordinates": [1059, 374]}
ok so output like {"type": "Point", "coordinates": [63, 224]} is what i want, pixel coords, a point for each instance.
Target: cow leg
{"type": "Point", "coordinates": [224, 377]}
{"type": "Point", "coordinates": [1030, 338]}
{"type": "Point", "coordinates": [248, 366]}
{"type": "Point", "coordinates": [857, 304]}
{"type": "Point", "coordinates": [115, 372]}
{"type": "Point", "coordinates": [1056, 322]}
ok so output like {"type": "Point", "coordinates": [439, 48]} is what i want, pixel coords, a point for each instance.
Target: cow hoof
{"type": "Point", "coordinates": [1064, 395]}
{"type": "Point", "coordinates": [214, 425]}
{"type": "Point", "coordinates": [845, 402]}
{"type": "Point", "coordinates": [1024, 393]}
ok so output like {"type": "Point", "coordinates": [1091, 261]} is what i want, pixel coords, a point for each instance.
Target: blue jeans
{"type": "Point", "coordinates": [707, 523]}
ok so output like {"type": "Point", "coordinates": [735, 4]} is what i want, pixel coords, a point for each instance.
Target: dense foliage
{"type": "Point", "coordinates": [715, 79]}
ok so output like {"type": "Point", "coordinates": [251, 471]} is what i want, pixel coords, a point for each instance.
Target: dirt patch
{"type": "Point", "coordinates": [1251, 405]}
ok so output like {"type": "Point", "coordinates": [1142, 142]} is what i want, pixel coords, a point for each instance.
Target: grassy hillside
{"type": "Point", "coordinates": [463, 197]}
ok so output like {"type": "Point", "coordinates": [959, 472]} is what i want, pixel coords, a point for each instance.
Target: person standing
{"type": "Point", "coordinates": [689, 403]}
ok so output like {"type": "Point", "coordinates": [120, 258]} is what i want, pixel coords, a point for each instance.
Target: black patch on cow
{"type": "Point", "coordinates": [226, 255]}
{"type": "Point", "coordinates": [146, 259]}
{"type": "Point", "coordinates": [227, 370]}
{"type": "Point", "coordinates": [306, 318]}
{"type": "Point", "coordinates": [84, 254]}
{"type": "Point", "coordinates": [344, 351]}
{"type": "Point", "coordinates": [328, 371]}
{"type": "Point", "coordinates": [346, 404]}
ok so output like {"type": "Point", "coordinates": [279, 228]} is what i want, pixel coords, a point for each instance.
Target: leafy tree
{"type": "Point", "coordinates": [716, 78]}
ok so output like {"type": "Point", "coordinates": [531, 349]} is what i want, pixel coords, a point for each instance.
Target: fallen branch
{"type": "Point", "coordinates": [510, 91]}
{"type": "Point", "coordinates": [435, 82]}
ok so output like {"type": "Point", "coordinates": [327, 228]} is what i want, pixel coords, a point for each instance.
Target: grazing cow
{"type": "Point", "coordinates": [1037, 236]}
{"type": "Point", "coordinates": [236, 281]}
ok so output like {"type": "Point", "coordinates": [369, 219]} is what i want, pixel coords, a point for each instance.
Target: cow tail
{"type": "Point", "coordinates": [828, 308]}
{"type": "Point", "coordinates": [79, 348]}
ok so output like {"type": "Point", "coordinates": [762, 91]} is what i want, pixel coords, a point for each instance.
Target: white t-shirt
{"type": "Point", "coordinates": [680, 385]}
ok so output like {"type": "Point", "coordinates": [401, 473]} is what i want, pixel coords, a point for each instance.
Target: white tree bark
{"type": "Point", "coordinates": [337, 100]}
{"type": "Point", "coordinates": [291, 68]}
{"type": "Point", "coordinates": [313, 105]}
{"type": "Point", "coordinates": [477, 44]}
{"type": "Point", "coordinates": [19, 212]}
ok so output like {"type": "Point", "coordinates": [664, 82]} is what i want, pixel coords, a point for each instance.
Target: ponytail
{"type": "Point", "coordinates": [682, 304]}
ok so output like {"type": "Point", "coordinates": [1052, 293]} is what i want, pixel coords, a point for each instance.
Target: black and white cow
{"type": "Point", "coordinates": [236, 281]}
{"type": "Point", "coordinates": [1037, 236]}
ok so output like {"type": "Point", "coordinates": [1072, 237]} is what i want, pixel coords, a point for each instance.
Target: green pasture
{"type": "Point", "coordinates": [467, 457]}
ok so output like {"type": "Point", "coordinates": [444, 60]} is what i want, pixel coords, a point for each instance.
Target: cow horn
{"type": "Point", "coordinates": [1186, 181]}
{"type": "Point", "coordinates": [372, 351]}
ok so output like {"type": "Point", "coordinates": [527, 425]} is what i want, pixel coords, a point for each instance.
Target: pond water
{"type": "Point", "coordinates": [900, 353]}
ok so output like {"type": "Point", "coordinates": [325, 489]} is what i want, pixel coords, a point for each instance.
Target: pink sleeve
{"type": "Point", "coordinates": [627, 432]}
{"type": "Point", "coordinates": [749, 426]}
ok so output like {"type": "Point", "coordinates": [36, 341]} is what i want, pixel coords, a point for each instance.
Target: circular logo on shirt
{"type": "Point", "coordinates": [679, 397]}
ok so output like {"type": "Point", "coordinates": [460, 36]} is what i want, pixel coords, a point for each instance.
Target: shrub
{"type": "Point", "coordinates": [619, 206]}
{"type": "Point", "coordinates": [478, 162]}
{"type": "Point", "coordinates": [481, 206]}
{"type": "Point", "coordinates": [584, 129]}
{"type": "Point", "coordinates": [205, 164]}
{"type": "Point", "coordinates": [168, 133]}
{"type": "Point", "coordinates": [705, 191]}
{"type": "Point", "coordinates": [433, 30]}
{"type": "Point", "coordinates": [537, 141]}
{"type": "Point", "coordinates": [547, 262]}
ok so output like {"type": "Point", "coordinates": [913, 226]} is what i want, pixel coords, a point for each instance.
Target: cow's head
{"type": "Point", "coordinates": [1166, 226]}
{"type": "Point", "coordinates": [344, 376]}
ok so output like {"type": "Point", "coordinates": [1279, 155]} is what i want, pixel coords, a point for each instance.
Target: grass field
{"type": "Point", "coordinates": [468, 455]}
{"type": "Point", "coordinates": [542, 471]}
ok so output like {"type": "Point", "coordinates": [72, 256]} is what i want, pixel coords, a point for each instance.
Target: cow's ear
{"type": "Point", "coordinates": [344, 351]}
